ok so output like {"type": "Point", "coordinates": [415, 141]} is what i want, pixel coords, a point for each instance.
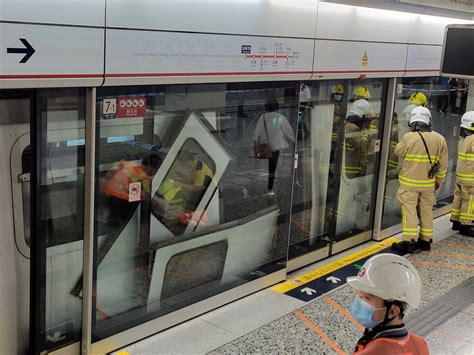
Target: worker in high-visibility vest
{"type": "Point", "coordinates": [425, 162]}
{"type": "Point", "coordinates": [177, 194]}
{"type": "Point", "coordinates": [386, 286]}
{"type": "Point", "coordinates": [462, 213]}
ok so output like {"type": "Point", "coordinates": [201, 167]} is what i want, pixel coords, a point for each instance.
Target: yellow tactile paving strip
{"type": "Point", "coordinates": [329, 268]}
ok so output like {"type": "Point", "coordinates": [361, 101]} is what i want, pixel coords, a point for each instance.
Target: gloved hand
{"type": "Point", "coordinates": [438, 186]}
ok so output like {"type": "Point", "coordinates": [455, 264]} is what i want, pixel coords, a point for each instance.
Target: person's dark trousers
{"type": "Point", "coordinates": [272, 165]}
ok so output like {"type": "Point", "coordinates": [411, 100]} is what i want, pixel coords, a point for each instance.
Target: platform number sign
{"type": "Point", "coordinates": [109, 109]}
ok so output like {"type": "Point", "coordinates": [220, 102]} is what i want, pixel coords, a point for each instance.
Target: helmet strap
{"type": "Point", "coordinates": [465, 132]}
{"type": "Point", "coordinates": [388, 305]}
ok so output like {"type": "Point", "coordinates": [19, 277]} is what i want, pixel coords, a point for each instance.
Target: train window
{"type": "Point", "coordinates": [447, 99]}
{"type": "Point", "coordinates": [183, 187]}
{"type": "Point", "coordinates": [190, 203]}
{"type": "Point", "coordinates": [25, 191]}
{"type": "Point", "coordinates": [188, 271]}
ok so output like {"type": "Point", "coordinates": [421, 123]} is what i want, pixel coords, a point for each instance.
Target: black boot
{"type": "Point", "coordinates": [424, 244]}
{"type": "Point", "coordinates": [467, 231]}
{"type": "Point", "coordinates": [405, 247]}
{"type": "Point", "coordinates": [456, 225]}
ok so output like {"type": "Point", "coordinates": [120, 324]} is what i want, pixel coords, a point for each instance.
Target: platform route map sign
{"type": "Point", "coordinates": [326, 278]}
{"type": "Point", "coordinates": [174, 53]}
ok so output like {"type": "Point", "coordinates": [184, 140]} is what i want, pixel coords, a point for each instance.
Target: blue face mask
{"type": "Point", "coordinates": [363, 312]}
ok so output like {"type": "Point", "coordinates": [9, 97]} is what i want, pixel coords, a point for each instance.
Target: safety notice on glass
{"type": "Point", "coordinates": [134, 191]}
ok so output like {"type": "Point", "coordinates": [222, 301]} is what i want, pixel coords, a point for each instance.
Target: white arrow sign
{"type": "Point", "coordinates": [56, 337]}
{"type": "Point", "coordinates": [333, 279]}
{"type": "Point", "coordinates": [308, 291]}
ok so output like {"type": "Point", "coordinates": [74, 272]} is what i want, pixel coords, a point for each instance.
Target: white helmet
{"type": "Point", "coordinates": [360, 108]}
{"type": "Point", "coordinates": [420, 114]}
{"type": "Point", "coordinates": [467, 120]}
{"type": "Point", "coordinates": [390, 277]}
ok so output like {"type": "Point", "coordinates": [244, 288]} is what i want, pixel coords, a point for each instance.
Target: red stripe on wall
{"type": "Point", "coordinates": [52, 76]}
{"type": "Point", "coordinates": [137, 75]}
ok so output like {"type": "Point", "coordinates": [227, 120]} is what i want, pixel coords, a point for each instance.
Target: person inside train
{"type": "Point", "coordinates": [425, 161]}
{"type": "Point", "coordinates": [386, 285]}
{"type": "Point", "coordinates": [361, 92]}
{"type": "Point", "coordinates": [337, 96]}
{"type": "Point", "coordinates": [115, 198]}
{"type": "Point", "coordinates": [183, 186]}
{"type": "Point", "coordinates": [462, 215]}
{"type": "Point", "coordinates": [356, 138]}
{"type": "Point", "coordinates": [273, 128]}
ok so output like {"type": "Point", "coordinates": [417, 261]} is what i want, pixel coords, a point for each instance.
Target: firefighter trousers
{"type": "Point", "coordinates": [416, 206]}
{"type": "Point", "coordinates": [463, 205]}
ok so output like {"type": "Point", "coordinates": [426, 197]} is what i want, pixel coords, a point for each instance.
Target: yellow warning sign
{"type": "Point", "coordinates": [329, 268]}
{"type": "Point", "coordinates": [365, 60]}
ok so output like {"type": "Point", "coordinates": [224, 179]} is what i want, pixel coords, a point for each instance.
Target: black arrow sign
{"type": "Point", "coordinates": [28, 50]}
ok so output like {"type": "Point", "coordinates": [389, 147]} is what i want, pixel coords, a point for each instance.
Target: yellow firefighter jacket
{"type": "Point", "coordinates": [465, 169]}
{"type": "Point", "coordinates": [416, 165]}
{"type": "Point", "coordinates": [356, 149]}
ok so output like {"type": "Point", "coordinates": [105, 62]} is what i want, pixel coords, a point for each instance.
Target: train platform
{"type": "Point", "coordinates": [302, 315]}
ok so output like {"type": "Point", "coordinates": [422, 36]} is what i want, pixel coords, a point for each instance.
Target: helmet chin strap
{"type": "Point", "coordinates": [386, 319]}
{"type": "Point", "coordinates": [465, 132]}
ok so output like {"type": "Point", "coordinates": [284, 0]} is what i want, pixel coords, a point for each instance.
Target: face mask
{"type": "Point", "coordinates": [363, 312]}
{"type": "Point", "coordinates": [337, 97]}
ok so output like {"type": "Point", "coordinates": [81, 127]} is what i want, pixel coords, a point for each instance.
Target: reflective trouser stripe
{"type": "Point", "coordinates": [463, 204]}
{"type": "Point", "coordinates": [456, 209]}
{"type": "Point", "coordinates": [426, 232]}
{"type": "Point", "coordinates": [455, 212]}
{"type": "Point", "coordinates": [393, 163]}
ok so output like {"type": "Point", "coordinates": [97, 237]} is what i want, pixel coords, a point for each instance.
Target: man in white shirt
{"type": "Point", "coordinates": [273, 128]}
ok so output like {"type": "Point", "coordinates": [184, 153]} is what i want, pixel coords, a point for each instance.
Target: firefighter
{"type": "Point", "coordinates": [337, 95]}
{"type": "Point", "coordinates": [356, 139]}
{"type": "Point", "coordinates": [415, 100]}
{"type": "Point", "coordinates": [386, 286]}
{"type": "Point", "coordinates": [425, 160]}
{"type": "Point", "coordinates": [462, 213]}
{"type": "Point", "coordinates": [361, 92]}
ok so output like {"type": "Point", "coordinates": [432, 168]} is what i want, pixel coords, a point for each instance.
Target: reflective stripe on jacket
{"type": "Point", "coordinates": [356, 150]}
{"type": "Point", "coordinates": [411, 344]}
{"type": "Point", "coordinates": [416, 164]}
{"type": "Point", "coordinates": [465, 169]}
